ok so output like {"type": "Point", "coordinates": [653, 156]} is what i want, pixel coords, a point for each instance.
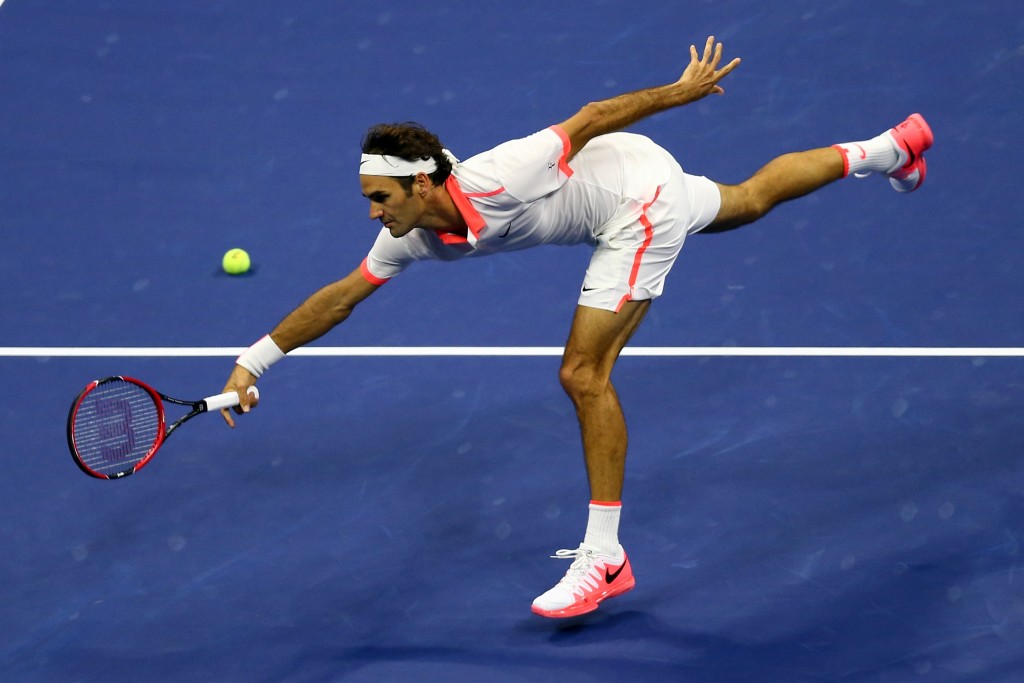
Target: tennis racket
{"type": "Point", "coordinates": [117, 424]}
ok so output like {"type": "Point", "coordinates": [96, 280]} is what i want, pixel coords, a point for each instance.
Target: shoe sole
{"type": "Point", "coordinates": [585, 607]}
{"type": "Point", "coordinates": [924, 135]}
{"type": "Point", "coordinates": [916, 141]}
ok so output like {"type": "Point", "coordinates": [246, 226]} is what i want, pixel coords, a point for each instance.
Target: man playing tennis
{"type": "Point", "coordinates": [580, 181]}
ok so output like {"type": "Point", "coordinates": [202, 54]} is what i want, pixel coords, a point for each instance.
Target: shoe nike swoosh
{"type": "Point", "coordinates": [609, 576]}
{"type": "Point", "coordinates": [905, 146]}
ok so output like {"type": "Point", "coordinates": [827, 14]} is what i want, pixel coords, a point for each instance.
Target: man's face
{"type": "Point", "coordinates": [389, 203]}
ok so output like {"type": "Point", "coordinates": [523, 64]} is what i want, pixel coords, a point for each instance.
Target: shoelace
{"type": "Point", "coordinates": [580, 570]}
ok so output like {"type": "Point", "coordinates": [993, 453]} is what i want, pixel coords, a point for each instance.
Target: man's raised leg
{"type": "Point", "coordinates": [897, 153]}
{"type": "Point", "coordinates": [783, 178]}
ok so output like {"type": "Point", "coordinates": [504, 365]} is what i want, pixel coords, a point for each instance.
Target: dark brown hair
{"type": "Point", "coordinates": [411, 142]}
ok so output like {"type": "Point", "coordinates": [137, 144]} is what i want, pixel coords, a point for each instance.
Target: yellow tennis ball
{"type": "Point", "coordinates": [236, 262]}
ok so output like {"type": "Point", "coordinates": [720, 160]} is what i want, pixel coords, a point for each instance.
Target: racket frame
{"type": "Point", "coordinates": [225, 400]}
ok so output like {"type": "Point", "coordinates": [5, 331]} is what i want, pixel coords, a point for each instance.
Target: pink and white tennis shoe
{"type": "Point", "coordinates": [592, 578]}
{"type": "Point", "coordinates": [913, 137]}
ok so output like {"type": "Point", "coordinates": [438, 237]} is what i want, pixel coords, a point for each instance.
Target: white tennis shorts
{"type": "Point", "coordinates": [637, 247]}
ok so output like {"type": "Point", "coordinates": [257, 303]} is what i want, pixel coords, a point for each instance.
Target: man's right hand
{"type": "Point", "coordinates": [702, 75]}
{"type": "Point", "coordinates": [240, 381]}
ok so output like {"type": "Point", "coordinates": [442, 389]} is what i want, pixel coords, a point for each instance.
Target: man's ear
{"type": "Point", "coordinates": [423, 183]}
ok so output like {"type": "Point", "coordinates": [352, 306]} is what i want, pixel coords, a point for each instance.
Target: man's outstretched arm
{"type": "Point", "coordinates": [322, 311]}
{"type": "Point", "coordinates": [317, 315]}
{"type": "Point", "coordinates": [699, 80]}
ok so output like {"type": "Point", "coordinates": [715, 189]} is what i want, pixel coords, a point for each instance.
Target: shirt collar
{"type": "Point", "coordinates": [474, 221]}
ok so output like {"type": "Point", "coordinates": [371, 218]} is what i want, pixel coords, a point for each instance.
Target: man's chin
{"type": "Point", "coordinates": [398, 230]}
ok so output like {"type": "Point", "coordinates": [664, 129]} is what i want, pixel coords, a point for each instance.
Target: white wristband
{"type": "Point", "coordinates": [260, 356]}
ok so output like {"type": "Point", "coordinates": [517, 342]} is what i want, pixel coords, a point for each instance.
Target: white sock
{"type": "Point", "coordinates": [603, 528]}
{"type": "Point", "coordinates": [880, 154]}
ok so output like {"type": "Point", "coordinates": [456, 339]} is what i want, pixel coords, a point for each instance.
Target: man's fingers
{"type": "Point", "coordinates": [707, 48]}
{"type": "Point", "coordinates": [250, 398]}
{"type": "Point", "coordinates": [246, 400]}
{"type": "Point", "coordinates": [730, 66]}
{"type": "Point", "coordinates": [242, 382]}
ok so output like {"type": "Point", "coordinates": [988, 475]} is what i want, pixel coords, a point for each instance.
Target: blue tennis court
{"type": "Point", "coordinates": [791, 516]}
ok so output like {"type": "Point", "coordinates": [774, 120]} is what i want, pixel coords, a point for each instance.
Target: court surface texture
{"type": "Point", "coordinates": [825, 480]}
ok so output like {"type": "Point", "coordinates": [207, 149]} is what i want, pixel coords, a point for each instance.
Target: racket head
{"type": "Point", "coordinates": [115, 427]}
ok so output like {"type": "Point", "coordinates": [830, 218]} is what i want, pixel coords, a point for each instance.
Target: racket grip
{"type": "Point", "coordinates": [228, 399]}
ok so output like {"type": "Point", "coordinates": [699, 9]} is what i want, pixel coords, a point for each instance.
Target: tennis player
{"type": "Point", "coordinates": [578, 182]}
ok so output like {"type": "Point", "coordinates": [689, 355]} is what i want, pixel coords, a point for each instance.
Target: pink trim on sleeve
{"type": "Point", "coordinates": [370, 277]}
{"type": "Point", "coordinates": [563, 161]}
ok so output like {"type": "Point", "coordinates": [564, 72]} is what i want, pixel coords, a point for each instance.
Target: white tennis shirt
{"type": "Point", "coordinates": [523, 193]}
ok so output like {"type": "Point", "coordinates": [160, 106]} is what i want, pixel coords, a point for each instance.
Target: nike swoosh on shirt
{"type": "Point", "coordinates": [507, 228]}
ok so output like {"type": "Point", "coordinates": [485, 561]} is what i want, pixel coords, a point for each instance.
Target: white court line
{"type": "Point", "coordinates": [420, 351]}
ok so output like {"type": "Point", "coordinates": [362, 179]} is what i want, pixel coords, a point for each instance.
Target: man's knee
{"type": "Point", "coordinates": [741, 204]}
{"type": "Point", "coordinates": [594, 344]}
{"type": "Point", "coordinates": [581, 379]}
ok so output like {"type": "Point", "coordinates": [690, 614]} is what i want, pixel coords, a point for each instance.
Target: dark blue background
{"type": "Point", "coordinates": [388, 519]}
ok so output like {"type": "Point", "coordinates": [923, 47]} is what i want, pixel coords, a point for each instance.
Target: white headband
{"type": "Point", "coordinates": [397, 167]}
